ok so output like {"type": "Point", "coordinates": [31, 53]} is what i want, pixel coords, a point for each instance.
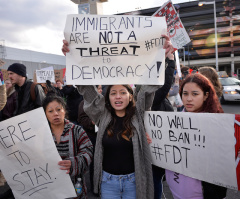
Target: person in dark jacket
{"type": "Point", "coordinates": [18, 75]}
{"type": "Point", "coordinates": [73, 98]}
{"type": "Point", "coordinates": [59, 88]}
{"type": "Point", "coordinates": [161, 103]}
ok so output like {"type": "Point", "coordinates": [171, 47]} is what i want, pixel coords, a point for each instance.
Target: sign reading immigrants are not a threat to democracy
{"type": "Point", "coordinates": [29, 158]}
{"type": "Point", "coordinates": [110, 49]}
{"type": "Point", "coordinates": [198, 145]}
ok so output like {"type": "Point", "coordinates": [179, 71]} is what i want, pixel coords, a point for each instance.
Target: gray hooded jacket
{"type": "Point", "coordinates": [94, 106]}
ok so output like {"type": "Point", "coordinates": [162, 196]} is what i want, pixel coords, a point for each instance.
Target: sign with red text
{"type": "Point", "coordinates": [198, 145]}
{"type": "Point", "coordinates": [175, 28]}
{"type": "Point", "coordinates": [115, 49]}
{"type": "Point", "coordinates": [29, 158]}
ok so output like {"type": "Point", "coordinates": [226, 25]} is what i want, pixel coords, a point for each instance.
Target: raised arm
{"type": "Point", "coordinates": [94, 103]}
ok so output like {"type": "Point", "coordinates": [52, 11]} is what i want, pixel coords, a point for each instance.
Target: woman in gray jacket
{"type": "Point", "coordinates": [122, 162]}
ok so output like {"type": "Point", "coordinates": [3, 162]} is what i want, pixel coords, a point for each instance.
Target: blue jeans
{"type": "Point", "coordinates": [118, 186]}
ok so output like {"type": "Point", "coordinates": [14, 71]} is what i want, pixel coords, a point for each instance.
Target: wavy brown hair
{"type": "Point", "coordinates": [211, 104]}
{"type": "Point", "coordinates": [212, 75]}
{"type": "Point", "coordinates": [127, 132]}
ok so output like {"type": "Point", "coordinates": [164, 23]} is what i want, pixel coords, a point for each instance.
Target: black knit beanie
{"type": "Point", "coordinates": [20, 69]}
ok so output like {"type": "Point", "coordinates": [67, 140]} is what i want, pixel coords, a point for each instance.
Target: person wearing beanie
{"type": "Point", "coordinates": [17, 73]}
{"type": "Point", "coordinates": [3, 94]}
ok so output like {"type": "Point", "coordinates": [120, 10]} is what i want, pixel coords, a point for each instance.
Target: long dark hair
{"type": "Point", "coordinates": [127, 132]}
{"type": "Point", "coordinates": [211, 104]}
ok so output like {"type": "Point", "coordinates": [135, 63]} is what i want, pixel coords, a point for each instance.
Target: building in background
{"type": "Point", "coordinates": [31, 59]}
{"type": "Point", "coordinates": [199, 23]}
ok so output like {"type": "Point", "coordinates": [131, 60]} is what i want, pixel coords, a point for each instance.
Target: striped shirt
{"type": "Point", "coordinates": [75, 145]}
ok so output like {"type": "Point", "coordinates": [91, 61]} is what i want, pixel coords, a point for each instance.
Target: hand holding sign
{"type": "Point", "coordinates": [168, 47]}
{"type": "Point", "coordinates": [65, 165]}
{"type": "Point", "coordinates": [115, 49]}
{"type": "Point", "coordinates": [29, 158]}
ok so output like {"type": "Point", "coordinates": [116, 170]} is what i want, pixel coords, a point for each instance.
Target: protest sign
{"type": "Point", "coordinates": [1, 62]}
{"type": "Point", "coordinates": [45, 74]}
{"type": "Point", "coordinates": [29, 158]}
{"type": "Point", "coordinates": [107, 49]}
{"type": "Point", "coordinates": [198, 145]}
{"type": "Point", "coordinates": [175, 28]}
{"type": "Point", "coordinates": [58, 74]}
{"type": "Point", "coordinates": [5, 74]}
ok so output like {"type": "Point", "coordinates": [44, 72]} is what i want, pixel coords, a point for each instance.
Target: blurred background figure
{"type": "Point", "coordinates": [212, 75]}
{"type": "Point", "coordinates": [8, 110]}
{"type": "Point", "coordinates": [185, 72]}
{"type": "Point", "coordinates": [59, 87]}
{"type": "Point", "coordinates": [73, 99]}
{"type": "Point", "coordinates": [3, 96]}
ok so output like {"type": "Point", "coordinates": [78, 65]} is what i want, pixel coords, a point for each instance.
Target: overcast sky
{"type": "Point", "coordinates": [38, 25]}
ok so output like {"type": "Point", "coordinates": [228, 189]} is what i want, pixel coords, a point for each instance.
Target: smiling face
{"type": "Point", "coordinates": [55, 113]}
{"type": "Point", "coordinates": [193, 97]}
{"type": "Point", "coordinates": [119, 99]}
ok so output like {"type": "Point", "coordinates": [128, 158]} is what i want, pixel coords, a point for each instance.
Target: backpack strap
{"type": "Point", "coordinates": [32, 92]}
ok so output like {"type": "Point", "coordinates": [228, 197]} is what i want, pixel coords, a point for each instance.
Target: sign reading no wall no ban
{"type": "Point", "coordinates": [198, 145]}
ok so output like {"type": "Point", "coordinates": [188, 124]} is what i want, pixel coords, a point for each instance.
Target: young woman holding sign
{"type": "Point", "coordinates": [198, 96]}
{"type": "Point", "coordinates": [72, 142]}
{"type": "Point", "coordinates": [122, 160]}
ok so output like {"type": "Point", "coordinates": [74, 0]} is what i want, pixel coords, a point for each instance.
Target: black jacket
{"type": "Point", "coordinates": [160, 102]}
{"type": "Point", "coordinates": [24, 102]}
{"type": "Point", "coordinates": [73, 98]}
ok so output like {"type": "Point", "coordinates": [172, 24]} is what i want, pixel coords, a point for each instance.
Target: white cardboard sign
{"type": "Point", "coordinates": [45, 74]}
{"type": "Point", "coordinates": [114, 49]}
{"type": "Point", "coordinates": [29, 158]}
{"type": "Point", "coordinates": [198, 145]}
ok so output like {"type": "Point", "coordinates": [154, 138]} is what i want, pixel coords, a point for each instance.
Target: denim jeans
{"type": "Point", "coordinates": [118, 186]}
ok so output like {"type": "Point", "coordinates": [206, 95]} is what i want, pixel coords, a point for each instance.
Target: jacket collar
{"type": "Point", "coordinates": [19, 88]}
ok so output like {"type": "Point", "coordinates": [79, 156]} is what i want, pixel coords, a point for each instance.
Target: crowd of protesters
{"type": "Point", "coordinates": [106, 132]}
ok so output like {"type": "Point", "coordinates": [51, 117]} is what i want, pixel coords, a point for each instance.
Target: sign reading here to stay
{"type": "Point", "coordinates": [29, 158]}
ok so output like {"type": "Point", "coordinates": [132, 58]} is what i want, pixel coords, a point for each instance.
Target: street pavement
{"type": "Point", "coordinates": [231, 107]}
